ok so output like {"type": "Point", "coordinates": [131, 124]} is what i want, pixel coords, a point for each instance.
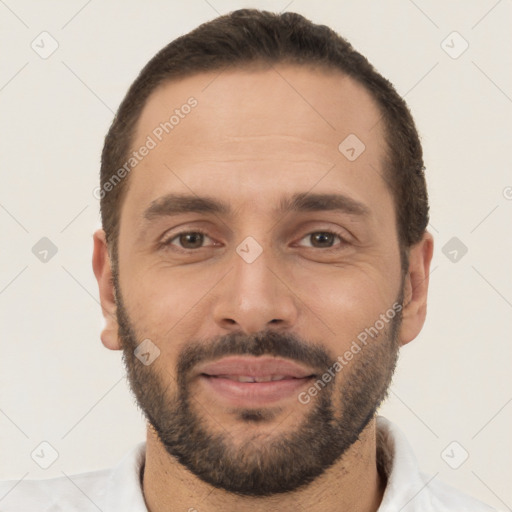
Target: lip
{"type": "Point", "coordinates": [246, 394]}
{"type": "Point", "coordinates": [255, 367]}
{"type": "Point", "coordinates": [215, 377]}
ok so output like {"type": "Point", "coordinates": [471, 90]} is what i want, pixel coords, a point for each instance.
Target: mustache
{"type": "Point", "coordinates": [271, 343]}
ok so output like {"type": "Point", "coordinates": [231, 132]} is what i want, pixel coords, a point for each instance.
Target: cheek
{"type": "Point", "coordinates": [168, 304]}
{"type": "Point", "coordinates": [348, 299]}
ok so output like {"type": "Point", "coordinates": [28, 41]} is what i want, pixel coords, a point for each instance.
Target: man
{"type": "Point", "coordinates": [263, 257]}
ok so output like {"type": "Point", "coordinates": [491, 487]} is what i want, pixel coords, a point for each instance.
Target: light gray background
{"type": "Point", "coordinates": [57, 381]}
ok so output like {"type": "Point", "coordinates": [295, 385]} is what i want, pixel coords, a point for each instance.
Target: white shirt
{"type": "Point", "coordinates": [119, 489]}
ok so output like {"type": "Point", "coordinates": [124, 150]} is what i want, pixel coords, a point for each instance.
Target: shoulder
{"type": "Point", "coordinates": [108, 490]}
{"type": "Point", "coordinates": [446, 498]}
{"type": "Point", "coordinates": [65, 493]}
{"type": "Point", "coordinates": [410, 490]}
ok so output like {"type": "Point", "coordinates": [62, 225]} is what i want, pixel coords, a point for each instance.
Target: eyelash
{"type": "Point", "coordinates": [166, 244]}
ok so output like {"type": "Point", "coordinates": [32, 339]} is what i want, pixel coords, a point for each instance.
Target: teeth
{"type": "Point", "coordinates": [245, 378]}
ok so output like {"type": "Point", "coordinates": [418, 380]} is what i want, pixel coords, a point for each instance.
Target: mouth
{"type": "Point", "coordinates": [253, 381]}
{"type": "Point", "coordinates": [248, 378]}
{"type": "Point", "coordinates": [247, 390]}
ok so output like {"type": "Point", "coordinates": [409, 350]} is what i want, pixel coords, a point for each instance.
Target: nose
{"type": "Point", "coordinates": [255, 296]}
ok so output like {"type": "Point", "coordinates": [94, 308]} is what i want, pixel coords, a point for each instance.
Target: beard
{"type": "Point", "coordinates": [261, 465]}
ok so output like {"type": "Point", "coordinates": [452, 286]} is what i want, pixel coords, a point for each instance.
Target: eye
{"type": "Point", "coordinates": [323, 239]}
{"type": "Point", "coordinates": [187, 240]}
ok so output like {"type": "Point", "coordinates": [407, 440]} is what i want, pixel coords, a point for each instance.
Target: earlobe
{"type": "Point", "coordinates": [416, 288]}
{"type": "Point", "coordinates": [103, 271]}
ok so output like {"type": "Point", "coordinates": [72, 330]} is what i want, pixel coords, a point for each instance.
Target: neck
{"type": "Point", "coordinates": [352, 483]}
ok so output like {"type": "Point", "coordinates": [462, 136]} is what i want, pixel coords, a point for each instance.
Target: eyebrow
{"type": "Point", "coordinates": [311, 202]}
{"type": "Point", "coordinates": [178, 204]}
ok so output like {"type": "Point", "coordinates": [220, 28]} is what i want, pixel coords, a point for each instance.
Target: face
{"type": "Point", "coordinates": [274, 247]}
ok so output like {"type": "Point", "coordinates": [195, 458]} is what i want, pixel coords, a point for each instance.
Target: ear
{"type": "Point", "coordinates": [416, 288]}
{"type": "Point", "coordinates": [103, 271]}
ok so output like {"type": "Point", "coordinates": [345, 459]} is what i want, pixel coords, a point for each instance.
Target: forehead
{"type": "Point", "coordinates": [285, 127]}
{"type": "Point", "coordinates": [318, 104]}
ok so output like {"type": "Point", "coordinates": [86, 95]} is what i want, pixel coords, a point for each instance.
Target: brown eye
{"type": "Point", "coordinates": [322, 239]}
{"type": "Point", "coordinates": [187, 240]}
{"type": "Point", "coordinates": [191, 240]}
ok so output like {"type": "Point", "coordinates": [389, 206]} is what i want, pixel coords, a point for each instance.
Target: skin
{"type": "Point", "coordinates": [255, 137]}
